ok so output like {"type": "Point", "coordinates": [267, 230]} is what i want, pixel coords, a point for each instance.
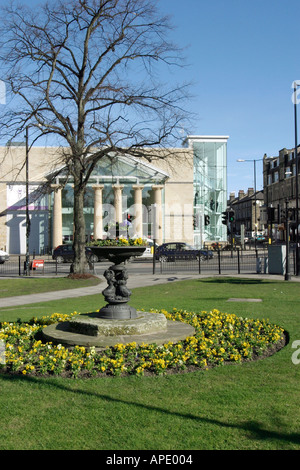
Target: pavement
{"type": "Point", "coordinates": [134, 281]}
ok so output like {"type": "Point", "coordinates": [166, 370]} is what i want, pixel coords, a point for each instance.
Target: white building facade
{"type": "Point", "coordinates": [178, 196]}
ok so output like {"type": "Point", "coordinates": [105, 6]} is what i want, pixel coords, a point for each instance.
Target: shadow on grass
{"type": "Point", "coordinates": [253, 428]}
{"type": "Point", "coordinates": [233, 280]}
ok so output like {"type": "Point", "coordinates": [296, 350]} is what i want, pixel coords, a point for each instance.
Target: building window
{"type": "Point", "coordinates": [274, 163]}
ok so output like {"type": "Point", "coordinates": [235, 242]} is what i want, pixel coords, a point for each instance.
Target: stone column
{"type": "Point", "coordinates": [98, 220]}
{"type": "Point", "coordinates": [138, 210]}
{"type": "Point", "coordinates": [157, 229]}
{"type": "Point", "coordinates": [57, 217]}
{"type": "Point", "coordinates": [118, 188]}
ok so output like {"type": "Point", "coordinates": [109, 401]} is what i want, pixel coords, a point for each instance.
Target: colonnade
{"type": "Point", "coordinates": [57, 234]}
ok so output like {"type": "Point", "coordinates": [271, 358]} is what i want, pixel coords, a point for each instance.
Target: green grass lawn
{"type": "Point", "coordinates": [26, 286]}
{"type": "Point", "coordinates": [253, 405]}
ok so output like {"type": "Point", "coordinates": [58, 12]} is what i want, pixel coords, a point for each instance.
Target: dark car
{"type": "Point", "coordinates": [180, 251]}
{"type": "Point", "coordinates": [65, 253]}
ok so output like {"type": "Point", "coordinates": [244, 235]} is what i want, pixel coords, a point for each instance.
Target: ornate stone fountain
{"type": "Point", "coordinates": [117, 322]}
{"type": "Point", "coordinates": [117, 294]}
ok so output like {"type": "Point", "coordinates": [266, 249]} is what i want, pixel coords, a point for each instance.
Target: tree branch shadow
{"type": "Point", "coordinates": [254, 429]}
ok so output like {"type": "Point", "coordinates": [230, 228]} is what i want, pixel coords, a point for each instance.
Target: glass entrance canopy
{"type": "Point", "coordinates": [210, 187]}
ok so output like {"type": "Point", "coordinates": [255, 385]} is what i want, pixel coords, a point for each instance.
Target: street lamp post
{"type": "Point", "coordinates": [27, 206]}
{"type": "Point", "coordinates": [28, 223]}
{"type": "Point", "coordinates": [255, 203]}
{"type": "Point", "coordinates": [296, 181]}
{"type": "Point", "coordinates": [287, 275]}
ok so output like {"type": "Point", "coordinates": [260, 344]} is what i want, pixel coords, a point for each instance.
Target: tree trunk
{"type": "Point", "coordinates": [80, 264]}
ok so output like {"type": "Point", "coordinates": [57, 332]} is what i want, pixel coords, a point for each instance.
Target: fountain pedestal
{"type": "Point", "coordinates": [117, 322]}
{"type": "Point", "coordinates": [116, 294]}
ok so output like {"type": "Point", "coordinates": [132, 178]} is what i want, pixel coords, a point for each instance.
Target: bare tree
{"type": "Point", "coordinates": [86, 71]}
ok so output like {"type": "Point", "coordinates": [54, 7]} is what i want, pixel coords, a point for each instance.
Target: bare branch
{"type": "Point", "coordinates": [87, 72]}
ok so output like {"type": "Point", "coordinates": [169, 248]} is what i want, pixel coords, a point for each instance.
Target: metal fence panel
{"type": "Point", "coordinates": [16, 267]}
{"type": "Point", "coordinates": [239, 262]}
{"type": "Point", "coordinates": [223, 262]}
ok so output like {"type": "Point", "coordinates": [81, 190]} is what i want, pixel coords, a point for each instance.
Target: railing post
{"type": "Point", "coordinates": [238, 256]}
{"type": "Point", "coordinates": [154, 256]}
{"type": "Point", "coordinates": [219, 261]}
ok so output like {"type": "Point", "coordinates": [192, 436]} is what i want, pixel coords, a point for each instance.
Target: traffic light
{"type": "Point", "coordinates": [292, 215]}
{"type": "Point", "coordinates": [231, 216]}
{"type": "Point", "coordinates": [282, 219]}
{"type": "Point", "coordinates": [271, 214]}
{"type": "Point", "coordinates": [225, 218]}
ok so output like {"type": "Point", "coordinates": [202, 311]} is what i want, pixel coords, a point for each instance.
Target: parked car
{"type": "Point", "coordinates": [65, 253]}
{"type": "Point", "coordinates": [3, 256]}
{"type": "Point", "coordinates": [180, 251]}
{"type": "Point", "coordinates": [149, 248]}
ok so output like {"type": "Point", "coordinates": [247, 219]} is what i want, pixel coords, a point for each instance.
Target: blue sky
{"type": "Point", "coordinates": [242, 57]}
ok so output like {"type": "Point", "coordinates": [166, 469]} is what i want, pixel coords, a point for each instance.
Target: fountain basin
{"type": "Point", "coordinates": [147, 328]}
{"type": "Point", "coordinates": [91, 325]}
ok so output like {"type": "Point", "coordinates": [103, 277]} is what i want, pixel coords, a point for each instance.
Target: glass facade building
{"type": "Point", "coordinates": [210, 188]}
{"type": "Point", "coordinates": [177, 195]}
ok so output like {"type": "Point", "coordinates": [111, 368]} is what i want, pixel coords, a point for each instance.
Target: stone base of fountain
{"type": "Point", "coordinates": [89, 330]}
{"type": "Point", "coordinates": [117, 322]}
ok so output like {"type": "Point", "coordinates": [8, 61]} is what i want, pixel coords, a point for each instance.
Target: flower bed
{"type": "Point", "coordinates": [220, 338]}
{"type": "Point", "coordinates": [120, 241]}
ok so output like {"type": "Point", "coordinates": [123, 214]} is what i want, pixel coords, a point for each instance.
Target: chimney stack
{"type": "Point", "coordinates": [231, 197]}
